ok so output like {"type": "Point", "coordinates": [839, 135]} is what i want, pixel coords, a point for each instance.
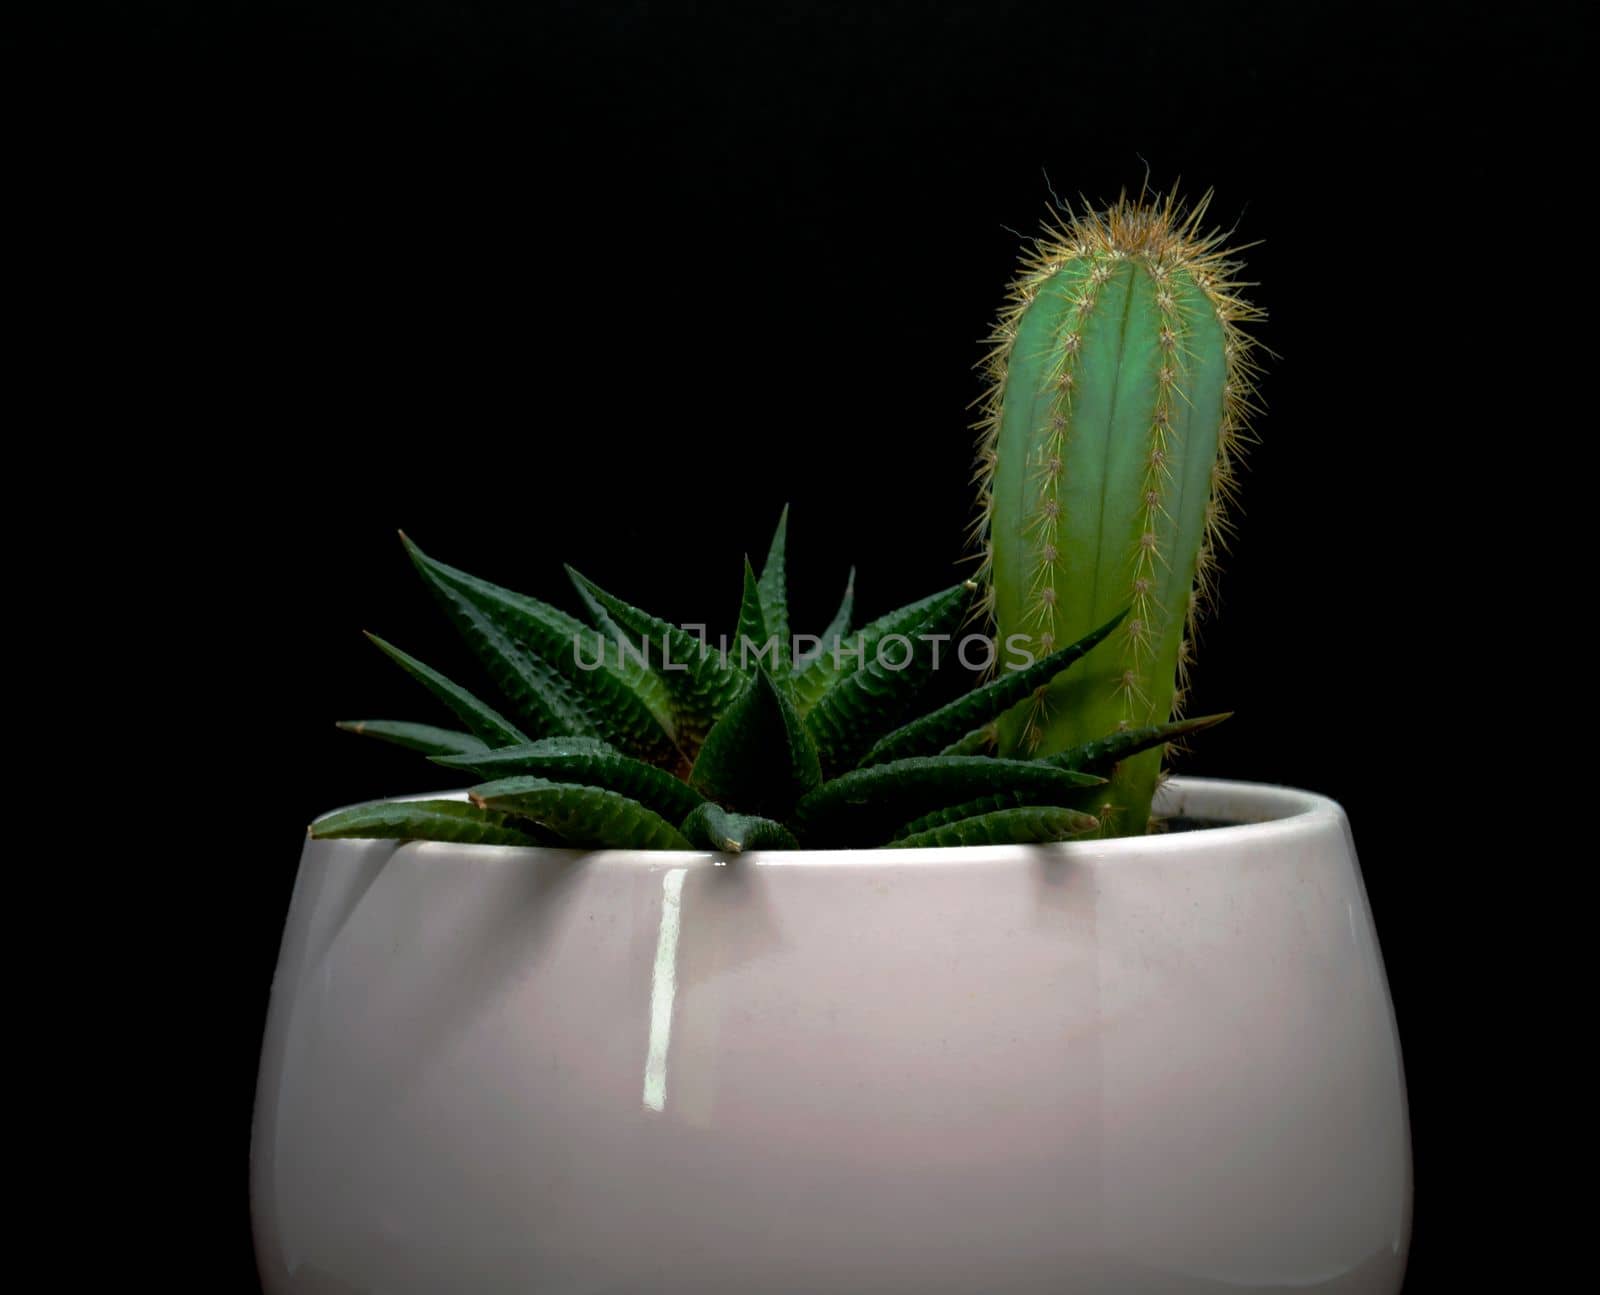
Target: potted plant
{"type": "Point", "coordinates": [777, 963]}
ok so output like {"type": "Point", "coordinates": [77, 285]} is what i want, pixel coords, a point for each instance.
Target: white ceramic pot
{"type": "Point", "coordinates": [1166, 1064]}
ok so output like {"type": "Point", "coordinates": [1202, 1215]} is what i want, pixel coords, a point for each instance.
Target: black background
{"type": "Point", "coordinates": [610, 283]}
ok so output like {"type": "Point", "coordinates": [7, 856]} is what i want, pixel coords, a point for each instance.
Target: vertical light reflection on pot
{"type": "Point", "coordinates": [663, 986]}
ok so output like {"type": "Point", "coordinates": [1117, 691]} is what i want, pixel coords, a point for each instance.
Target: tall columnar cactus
{"type": "Point", "coordinates": [1121, 391]}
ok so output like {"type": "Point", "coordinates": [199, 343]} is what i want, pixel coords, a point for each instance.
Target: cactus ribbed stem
{"type": "Point", "coordinates": [1121, 387]}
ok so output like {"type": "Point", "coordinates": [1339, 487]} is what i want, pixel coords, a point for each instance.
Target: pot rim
{"type": "Point", "coordinates": [1256, 813]}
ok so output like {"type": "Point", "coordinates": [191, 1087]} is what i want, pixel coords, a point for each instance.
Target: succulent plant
{"type": "Point", "coordinates": [1121, 391]}
{"type": "Point", "coordinates": [624, 730]}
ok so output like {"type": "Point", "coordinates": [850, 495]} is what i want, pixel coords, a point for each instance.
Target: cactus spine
{"type": "Point", "coordinates": [1121, 390]}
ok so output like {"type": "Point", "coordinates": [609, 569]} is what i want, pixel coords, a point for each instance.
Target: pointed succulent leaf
{"type": "Point", "coordinates": [542, 699]}
{"type": "Point", "coordinates": [586, 817]}
{"type": "Point", "coordinates": [759, 758]}
{"type": "Point", "coordinates": [1032, 824]}
{"type": "Point", "coordinates": [756, 643]}
{"type": "Point", "coordinates": [599, 617]}
{"type": "Point", "coordinates": [773, 590]}
{"type": "Point", "coordinates": [566, 677]}
{"type": "Point", "coordinates": [936, 730]}
{"type": "Point", "coordinates": [423, 820]}
{"type": "Point", "coordinates": [586, 761]}
{"type": "Point", "coordinates": [416, 737]}
{"type": "Point", "coordinates": [838, 627]}
{"type": "Point", "coordinates": [710, 827]}
{"type": "Point", "coordinates": [1102, 753]}
{"type": "Point", "coordinates": [981, 741]}
{"type": "Point", "coordinates": [484, 721]}
{"type": "Point", "coordinates": [699, 682]}
{"type": "Point", "coordinates": [625, 658]}
{"type": "Point", "coordinates": [883, 690]}
{"type": "Point", "coordinates": [837, 662]}
{"type": "Point", "coordinates": [995, 802]}
{"type": "Point", "coordinates": [865, 806]}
